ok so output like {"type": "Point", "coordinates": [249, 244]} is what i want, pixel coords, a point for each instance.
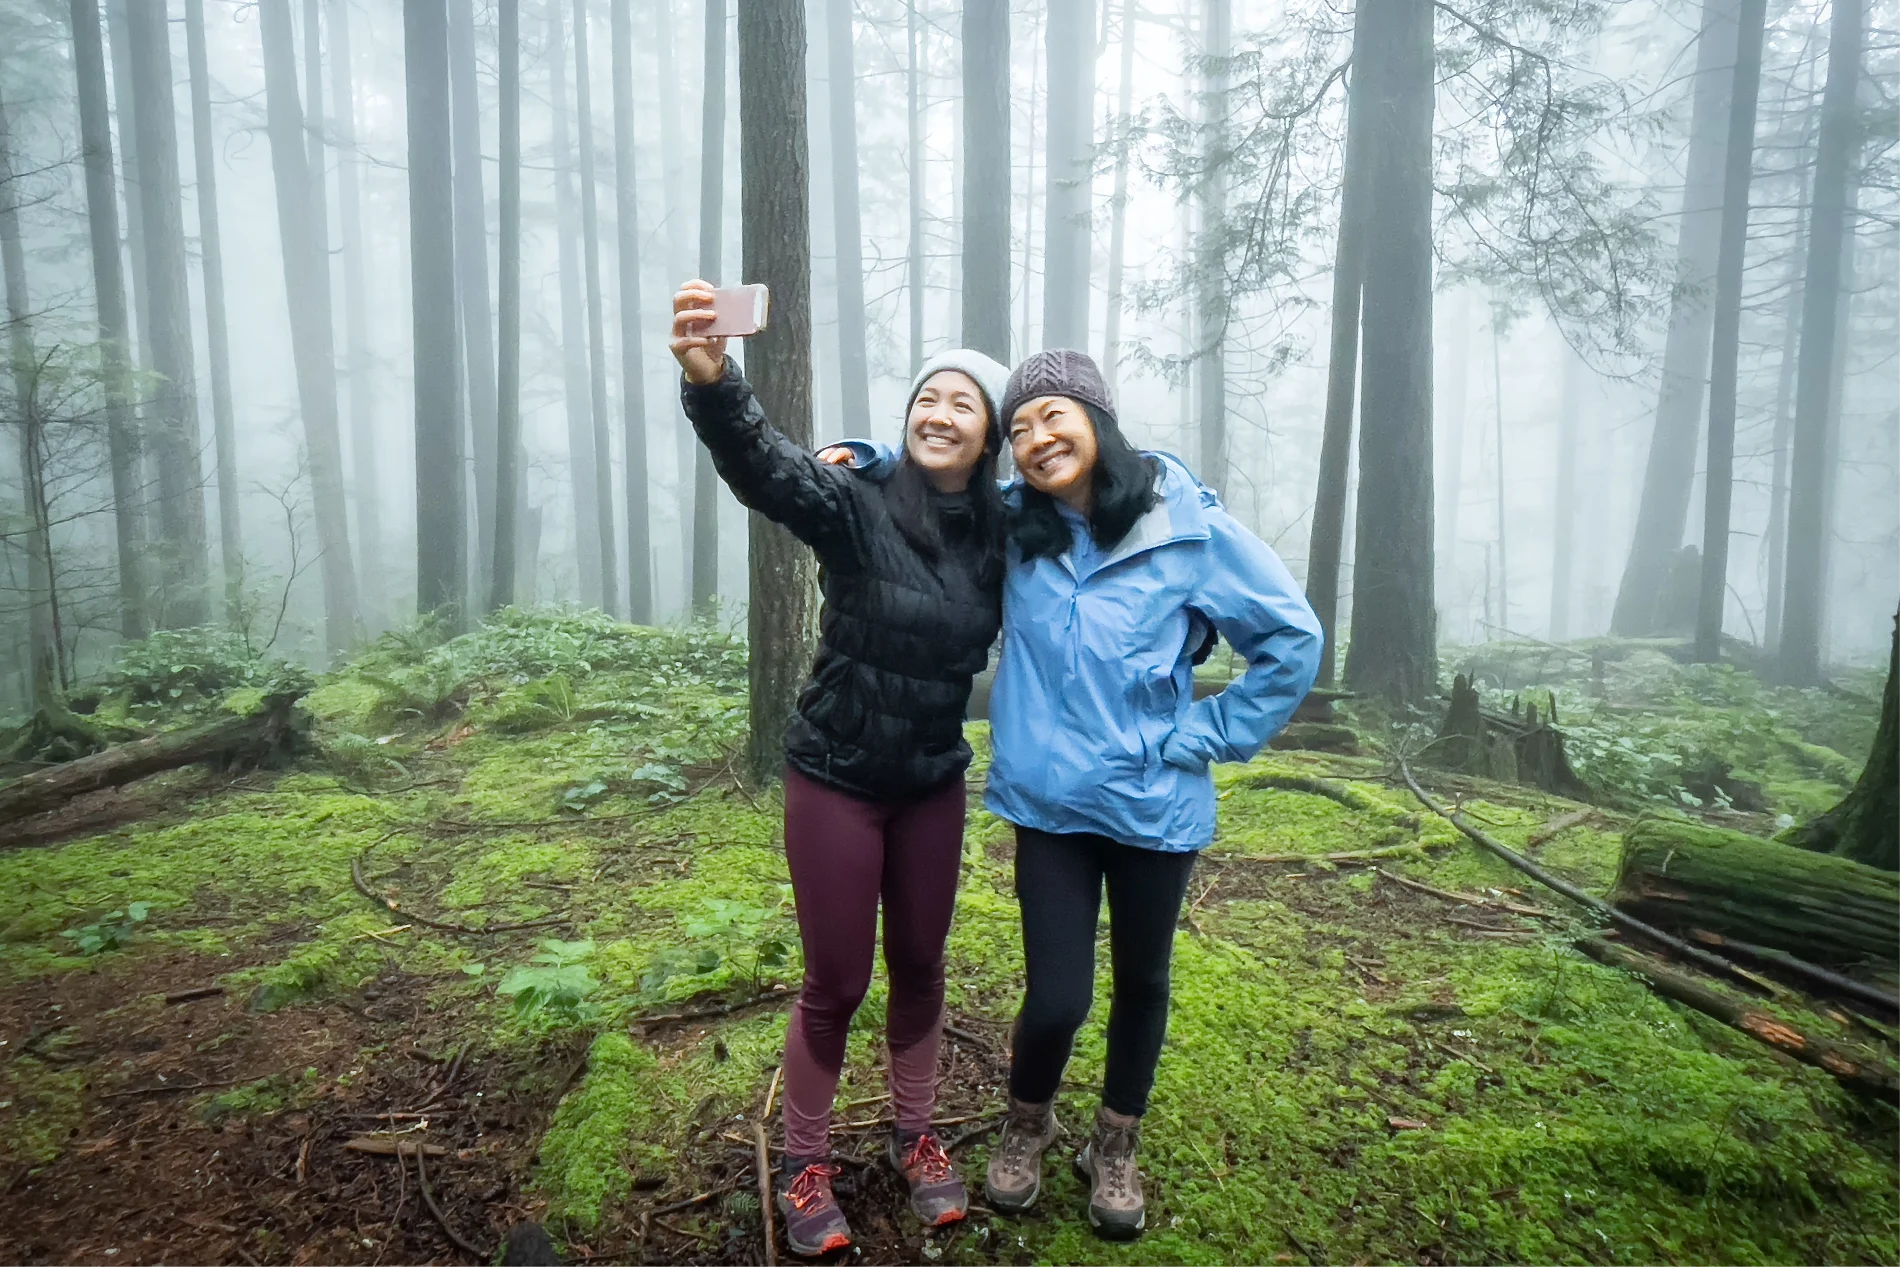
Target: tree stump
{"type": "Point", "coordinates": [1516, 747]}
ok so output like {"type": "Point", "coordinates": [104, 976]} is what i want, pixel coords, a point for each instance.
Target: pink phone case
{"type": "Point", "coordinates": [738, 310]}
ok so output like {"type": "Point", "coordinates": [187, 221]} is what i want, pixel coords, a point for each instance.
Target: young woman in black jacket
{"type": "Point", "coordinates": [911, 567]}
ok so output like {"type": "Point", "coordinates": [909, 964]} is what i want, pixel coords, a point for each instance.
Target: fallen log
{"type": "Point", "coordinates": [1818, 907]}
{"type": "Point", "coordinates": [256, 734]}
{"type": "Point", "coordinates": [1816, 978]}
{"type": "Point", "coordinates": [1851, 1068]}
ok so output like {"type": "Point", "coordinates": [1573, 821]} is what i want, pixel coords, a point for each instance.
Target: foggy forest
{"type": "Point", "coordinates": [395, 784]}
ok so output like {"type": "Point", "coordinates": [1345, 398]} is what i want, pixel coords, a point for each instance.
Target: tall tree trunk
{"type": "Point", "coordinates": [580, 413]}
{"type": "Point", "coordinates": [217, 336]}
{"type": "Point", "coordinates": [632, 323]}
{"type": "Point", "coordinates": [43, 642]}
{"type": "Point", "coordinates": [312, 338]}
{"type": "Point", "coordinates": [596, 324]}
{"type": "Point", "coordinates": [1452, 456]}
{"type": "Point", "coordinates": [471, 272]}
{"type": "Point", "coordinates": [441, 513]}
{"type": "Point", "coordinates": [1213, 302]}
{"type": "Point", "coordinates": [1497, 420]}
{"type": "Point", "coordinates": [1393, 652]}
{"type": "Point", "coordinates": [776, 218]}
{"type": "Point", "coordinates": [1335, 451]}
{"type": "Point", "coordinates": [854, 375]}
{"type": "Point", "coordinates": [1118, 206]}
{"type": "Point", "coordinates": [986, 178]}
{"type": "Point", "coordinates": [1725, 352]}
{"type": "Point", "coordinates": [679, 250]}
{"type": "Point", "coordinates": [1835, 163]}
{"type": "Point", "coordinates": [1029, 182]}
{"type": "Point", "coordinates": [1775, 539]}
{"type": "Point", "coordinates": [358, 360]}
{"type": "Point", "coordinates": [1563, 526]}
{"type": "Point", "coordinates": [108, 277]}
{"type": "Point", "coordinates": [1669, 476]}
{"type": "Point", "coordinates": [712, 179]}
{"type": "Point", "coordinates": [173, 421]}
{"type": "Point", "coordinates": [914, 274]}
{"type": "Point", "coordinates": [1071, 105]}
{"type": "Point", "coordinates": [119, 25]}
{"type": "Point", "coordinates": [501, 581]}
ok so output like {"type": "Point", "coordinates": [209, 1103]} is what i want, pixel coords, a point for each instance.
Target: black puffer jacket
{"type": "Point", "coordinates": [901, 634]}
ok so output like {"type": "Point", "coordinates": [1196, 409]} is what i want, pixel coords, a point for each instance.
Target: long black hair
{"type": "Point", "coordinates": [1126, 488]}
{"type": "Point", "coordinates": [916, 508]}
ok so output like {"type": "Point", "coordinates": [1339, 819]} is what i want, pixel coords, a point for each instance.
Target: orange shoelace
{"type": "Point", "coordinates": [926, 1156]}
{"type": "Point", "coordinates": [812, 1186]}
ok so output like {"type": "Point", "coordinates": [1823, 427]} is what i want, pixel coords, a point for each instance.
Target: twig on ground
{"type": "Point", "coordinates": [362, 886]}
{"type": "Point", "coordinates": [771, 1093]}
{"type": "Point", "coordinates": [385, 1146]}
{"type": "Point", "coordinates": [720, 1009]}
{"type": "Point", "coordinates": [698, 1199]}
{"type": "Point", "coordinates": [428, 1199]}
{"type": "Point", "coordinates": [964, 1035]}
{"type": "Point", "coordinates": [1469, 899]}
{"type": "Point", "coordinates": [176, 1088]}
{"type": "Point", "coordinates": [196, 992]}
{"type": "Point", "coordinates": [986, 1123]}
{"type": "Point", "coordinates": [702, 1237]}
{"type": "Point", "coordinates": [765, 1190]}
{"type": "Point", "coordinates": [1557, 825]}
{"type": "Point", "coordinates": [1490, 930]}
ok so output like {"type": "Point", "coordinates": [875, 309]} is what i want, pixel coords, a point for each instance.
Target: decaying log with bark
{"type": "Point", "coordinates": [1520, 746]}
{"type": "Point", "coordinates": [253, 736]}
{"type": "Point", "coordinates": [1852, 1068]}
{"type": "Point", "coordinates": [1821, 908]}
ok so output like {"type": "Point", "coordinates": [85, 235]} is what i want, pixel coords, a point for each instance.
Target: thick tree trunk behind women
{"type": "Point", "coordinates": [1835, 165]}
{"type": "Point", "coordinates": [914, 270]}
{"type": "Point", "coordinates": [471, 274]}
{"type": "Point", "coordinates": [1775, 539]}
{"type": "Point", "coordinates": [775, 212]}
{"type": "Point", "coordinates": [108, 277]}
{"type": "Point", "coordinates": [712, 179]}
{"type": "Point", "coordinates": [678, 205]}
{"type": "Point", "coordinates": [1865, 826]}
{"type": "Point", "coordinates": [1213, 304]}
{"type": "Point", "coordinates": [1118, 203]}
{"type": "Point", "coordinates": [312, 337]}
{"type": "Point", "coordinates": [596, 322]}
{"type": "Point", "coordinates": [854, 376]}
{"type": "Point", "coordinates": [1670, 474]}
{"type": "Point", "coordinates": [1725, 351]}
{"type": "Point", "coordinates": [118, 24]}
{"type": "Point", "coordinates": [172, 420]}
{"type": "Point", "coordinates": [1564, 513]}
{"type": "Point", "coordinates": [441, 513]}
{"type": "Point", "coordinates": [501, 581]}
{"type": "Point", "coordinates": [217, 335]}
{"type": "Point", "coordinates": [575, 392]}
{"type": "Point", "coordinates": [1393, 652]}
{"type": "Point", "coordinates": [1335, 451]}
{"type": "Point", "coordinates": [633, 401]}
{"type": "Point", "coordinates": [1065, 221]}
{"type": "Point", "coordinates": [358, 360]}
{"type": "Point", "coordinates": [985, 180]}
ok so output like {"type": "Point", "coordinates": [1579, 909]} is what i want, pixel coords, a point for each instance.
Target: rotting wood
{"type": "Point", "coordinates": [196, 992]}
{"type": "Point", "coordinates": [1768, 958]}
{"type": "Point", "coordinates": [1853, 1070]}
{"type": "Point", "coordinates": [257, 734]}
{"type": "Point", "coordinates": [389, 1146]}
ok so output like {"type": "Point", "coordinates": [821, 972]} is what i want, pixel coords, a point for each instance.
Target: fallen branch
{"type": "Point", "coordinates": [777, 993]}
{"type": "Point", "coordinates": [389, 904]}
{"type": "Point", "coordinates": [1820, 978]}
{"type": "Point", "coordinates": [1469, 899]}
{"type": "Point", "coordinates": [765, 1189]}
{"type": "Point", "coordinates": [1714, 964]}
{"type": "Point", "coordinates": [387, 1146]}
{"type": "Point", "coordinates": [428, 1198]}
{"type": "Point", "coordinates": [177, 1088]}
{"type": "Point", "coordinates": [257, 733]}
{"type": "Point", "coordinates": [1776, 1033]}
{"type": "Point", "coordinates": [1411, 849]}
{"type": "Point", "coordinates": [196, 992]}
{"type": "Point", "coordinates": [1557, 825]}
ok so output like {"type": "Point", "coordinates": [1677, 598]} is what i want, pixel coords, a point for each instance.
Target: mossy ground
{"type": "Point", "coordinates": [1356, 1071]}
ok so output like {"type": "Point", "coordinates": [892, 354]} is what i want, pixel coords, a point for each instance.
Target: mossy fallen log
{"type": "Point", "coordinates": [255, 734]}
{"type": "Point", "coordinates": [1824, 909]}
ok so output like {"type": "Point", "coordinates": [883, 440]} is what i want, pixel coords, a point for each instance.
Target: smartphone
{"type": "Point", "coordinates": [739, 311]}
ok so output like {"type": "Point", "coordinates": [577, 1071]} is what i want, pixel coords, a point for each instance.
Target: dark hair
{"type": "Point", "coordinates": [1125, 483]}
{"type": "Point", "coordinates": [908, 497]}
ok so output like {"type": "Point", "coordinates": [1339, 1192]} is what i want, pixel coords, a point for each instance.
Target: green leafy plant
{"type": "Point", "coordinates": [543, 702]}
{"type": "Point", "coordinates": [748, 938]}
{"type": "Point", "coordinates": [109, 932]}
{"type": "Point", "coordinates": [556, 983]}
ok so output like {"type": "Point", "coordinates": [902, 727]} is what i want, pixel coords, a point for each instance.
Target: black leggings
{"type": "Point", "coordinates": [1059, 882]}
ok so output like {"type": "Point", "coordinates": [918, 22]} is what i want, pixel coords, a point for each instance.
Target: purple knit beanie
{"type": "Point", "coordinates": [1056, 372]}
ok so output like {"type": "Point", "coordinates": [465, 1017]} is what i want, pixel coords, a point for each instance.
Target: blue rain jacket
{"type": "Point", "coordinates": [1093, 719]}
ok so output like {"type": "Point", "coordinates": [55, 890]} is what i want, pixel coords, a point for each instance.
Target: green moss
{"type": "Point", "coordinates": [588, 1157]}
{"type": "Point", "coordinates": [41, 1108]}
{"type": "Point", "coordinates": [341, 957]}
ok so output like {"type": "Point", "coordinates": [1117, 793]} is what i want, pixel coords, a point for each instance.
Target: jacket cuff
{"type": "Point", "coordinates": [729, 385]}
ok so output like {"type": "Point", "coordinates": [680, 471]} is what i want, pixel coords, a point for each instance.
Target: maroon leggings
{"type": "Point", "coordinates": [845, 853]}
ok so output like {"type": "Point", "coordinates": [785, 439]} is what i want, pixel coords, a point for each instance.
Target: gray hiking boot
{"type": "Point", "coordinates": [1107, 1161]}
{"type": "Point", "coordinates": [1015, 1174]}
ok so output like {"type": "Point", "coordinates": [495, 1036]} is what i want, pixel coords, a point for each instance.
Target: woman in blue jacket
{"type": "Point", "coordinates": [1122, 566]}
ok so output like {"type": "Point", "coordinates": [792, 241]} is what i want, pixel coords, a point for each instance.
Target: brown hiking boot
{"type": "Point", "coordinates": [937, 1194]}
{"type": "Point", "coordinates": [1107, 1161]}
{"type": "Point", "coordinates": [813, 1222]}
{"type": "Point", "coordinates": [1015, 1174]}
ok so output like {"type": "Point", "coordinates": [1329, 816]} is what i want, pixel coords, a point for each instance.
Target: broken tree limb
{"type": "Point", "coordinates": [1822, 908]}
{"type": "Point", "coordinates": [388, 904]}
{"type": "Point", "coordinates": [1815, 977]}
{"type": "Point", "coordinates": [257, 734]}
{"type": "Point", "coordinates": [1556, 826]}
{"type": "Point", "coordinates": [1852, 1069]}
{"type": "Point", "coordinates": [1710, 963]}
{"type": "Point", "coordinates": [1469, 899]}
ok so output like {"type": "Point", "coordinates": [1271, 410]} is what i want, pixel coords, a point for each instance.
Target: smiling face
{"type": "Point", "coordinates": [1053, 443]}
{"type": "Point", "coordinates": [945, 430]}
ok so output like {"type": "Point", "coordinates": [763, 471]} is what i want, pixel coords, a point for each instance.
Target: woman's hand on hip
{"type": "Point", "coordinates": [702, 357]}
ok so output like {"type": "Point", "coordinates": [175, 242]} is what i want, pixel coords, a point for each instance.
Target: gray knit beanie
{"type": "Point", "coordinates": [1056, 372]}
{"type": "Point", "coordinates": [990, 377]}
